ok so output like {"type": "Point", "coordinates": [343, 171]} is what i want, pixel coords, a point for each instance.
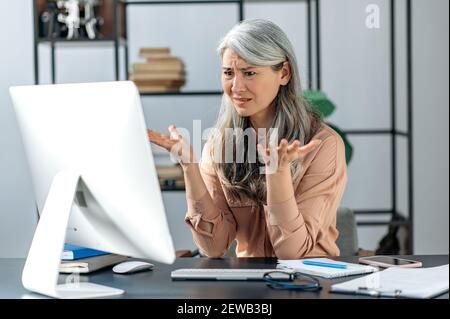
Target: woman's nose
{"type": "Point", "coordinates": [238, 84]}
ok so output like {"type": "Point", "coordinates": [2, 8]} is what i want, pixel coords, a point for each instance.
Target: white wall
{"type": "Point", "coordinates": [17, 210]}
{"type": "Point", "coordinates": [355, 74]}
{"type": "Point", "coordinates": [431, 104]}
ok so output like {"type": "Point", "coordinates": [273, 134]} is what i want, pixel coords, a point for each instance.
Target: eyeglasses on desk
{"type": "Point", "coordinates": [292, 281]}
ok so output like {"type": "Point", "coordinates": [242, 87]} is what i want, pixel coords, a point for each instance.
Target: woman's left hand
{"type": "Point", "coordinates": [279, 158]}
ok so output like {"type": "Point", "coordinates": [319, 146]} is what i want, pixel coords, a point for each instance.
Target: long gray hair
{"type": "Point", "coordinates": [261, 43]}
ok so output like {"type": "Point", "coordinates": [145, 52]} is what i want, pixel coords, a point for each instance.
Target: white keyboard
{"type": "Point", "coordinates": [224, 274]}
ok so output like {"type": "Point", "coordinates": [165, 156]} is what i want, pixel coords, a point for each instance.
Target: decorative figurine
{"type": "Point", "coordinates": [72, 19]}
{"type": "Point", "coordinates": [90, 21]}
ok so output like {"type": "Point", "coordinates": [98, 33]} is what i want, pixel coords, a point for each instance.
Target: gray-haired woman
{"type": "Point", "coordinates": [284, 204]}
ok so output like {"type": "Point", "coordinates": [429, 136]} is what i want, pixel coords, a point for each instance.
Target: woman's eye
{"type": "Point", "coordinates": [228, 73]}
{"type": "Point", "coordinates": [250, 73]}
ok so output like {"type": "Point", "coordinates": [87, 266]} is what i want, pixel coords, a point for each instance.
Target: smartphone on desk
{"type": "Point", "coordinates": [389, 261]}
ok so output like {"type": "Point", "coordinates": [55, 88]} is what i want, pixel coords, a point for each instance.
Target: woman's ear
{"type": "Point", "coordinates": [285, 73]}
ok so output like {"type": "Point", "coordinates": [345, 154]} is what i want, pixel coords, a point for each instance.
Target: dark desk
{"type": "Point", "coordinates": [158, 284]}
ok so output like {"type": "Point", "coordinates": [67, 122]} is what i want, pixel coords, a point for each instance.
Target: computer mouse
{"type": "Point", "coordinates": [128, 267]}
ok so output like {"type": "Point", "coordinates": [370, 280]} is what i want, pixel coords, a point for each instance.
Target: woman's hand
{"type": "Point", "coordinates": [175, 145]}
{"type": "Point", "coordinates": [279, 158]}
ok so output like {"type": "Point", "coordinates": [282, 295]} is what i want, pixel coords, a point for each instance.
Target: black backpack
{"type": "Point", "coordinates": [390, 244]}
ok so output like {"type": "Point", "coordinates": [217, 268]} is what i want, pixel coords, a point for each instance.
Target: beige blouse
{"type": "Point", "coordinates": [304, 225]}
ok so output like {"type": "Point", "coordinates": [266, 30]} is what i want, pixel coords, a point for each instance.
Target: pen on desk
{"type": "Point", "coordinates": [322, 264]}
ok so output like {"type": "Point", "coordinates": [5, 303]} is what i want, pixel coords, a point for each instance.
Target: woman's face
{"type": "Point", "coordinates": [252, 89]}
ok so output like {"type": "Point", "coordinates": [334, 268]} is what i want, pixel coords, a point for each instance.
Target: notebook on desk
{"type": "Point", "coordinates": [284, 265]}
{"type": "Point", "coordinates": [90, 264]}
{"type": "Point", "coordinates": [325, 272]}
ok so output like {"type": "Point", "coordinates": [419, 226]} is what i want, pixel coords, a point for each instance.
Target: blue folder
{"type": "Point", "coordinates": [73, 252]}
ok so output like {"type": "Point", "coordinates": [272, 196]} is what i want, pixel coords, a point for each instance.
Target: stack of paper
{"type": "Point", "coordinates": [399, 282]}
{"type": "Point", "coordinates": [87, 265]}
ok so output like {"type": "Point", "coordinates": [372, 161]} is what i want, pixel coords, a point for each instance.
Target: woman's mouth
{"type": "Point", "coordinates": [240, 101]}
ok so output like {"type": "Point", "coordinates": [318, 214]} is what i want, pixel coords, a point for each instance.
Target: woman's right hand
{"type": "Point", "coordinates": [174, 144]}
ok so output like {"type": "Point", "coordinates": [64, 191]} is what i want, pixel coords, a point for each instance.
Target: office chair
{"type": "Point", "coordinates": [347, 240]}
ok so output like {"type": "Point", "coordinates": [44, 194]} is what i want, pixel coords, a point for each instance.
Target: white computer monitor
{"type": "Point", "coordinates": [94, 178]}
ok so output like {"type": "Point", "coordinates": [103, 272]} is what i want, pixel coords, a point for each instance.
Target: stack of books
{"type": "Point", "coordinates": [76, 259]}
{"type": "Point", "coordinates": [161, 73]}
{"type": "Point", "coordinates": [170, 177]}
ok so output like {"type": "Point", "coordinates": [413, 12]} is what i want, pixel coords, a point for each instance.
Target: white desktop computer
{"type": "Point", "coordinates": [94, 178]}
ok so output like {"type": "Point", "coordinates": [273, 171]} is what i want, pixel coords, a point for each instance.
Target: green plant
{"type": "Point", "coordinates": [325, 107]}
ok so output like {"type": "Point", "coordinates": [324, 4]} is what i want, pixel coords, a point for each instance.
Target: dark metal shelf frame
{"type": "Point", "coordinates": [393, 132]}
{"type": "Point", "coordinates": [114, 39]}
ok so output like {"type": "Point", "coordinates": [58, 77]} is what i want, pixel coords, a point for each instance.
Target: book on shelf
{"type": "Point", "coordinates": [157, 89]}
{"type": "Point", "coordinates": [145, 76]}
{"type": "Point", "coordinates": [154, 50]}
{"type": "Point", "coordinates": [154, 55]}
{"type": "Point", "coordinates": [73, 252]}
{"type": "Point", "coordinates": [168, 83]}
{"type": "Point", "coordinates": [158, 67]}
{"type": "Point", "coordinates": [162, 72]}
{"type": "Point", "coordinates": [162, 59]}
{"type": "Point", "coordinates": [169, 172]}
{"type": "Point", "coordinates": [90, 264]}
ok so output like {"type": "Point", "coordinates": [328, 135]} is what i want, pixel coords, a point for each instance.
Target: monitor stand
{"type": "Point", "coordinates": [41, 270]}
